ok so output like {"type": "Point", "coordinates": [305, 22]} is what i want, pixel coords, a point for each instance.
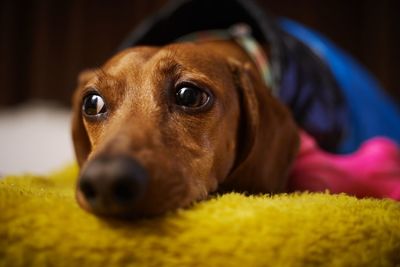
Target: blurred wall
{"type": "Point", "coordinates": [45, 43]}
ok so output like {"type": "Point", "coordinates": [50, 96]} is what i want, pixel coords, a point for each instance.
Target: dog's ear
{"type": "Point", "coordinates": [80, 137]}
{"type": "Point", "coordinates": [267, 136]}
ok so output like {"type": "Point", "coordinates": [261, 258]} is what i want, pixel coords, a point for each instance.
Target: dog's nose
{"type": "Point", "coordinates": [112, 185]}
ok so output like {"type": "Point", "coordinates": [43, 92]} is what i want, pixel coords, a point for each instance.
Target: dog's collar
{"type": "Point", "coordinates": [241, 33]}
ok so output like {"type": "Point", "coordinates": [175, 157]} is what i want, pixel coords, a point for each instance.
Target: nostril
{"type": "Point", "coordinates": [87, 189]}
{"type": "Point", "coordinates": [124, 190]}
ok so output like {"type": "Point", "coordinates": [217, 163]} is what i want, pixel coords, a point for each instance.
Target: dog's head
{"type": "Point", "coordinates": [157, 128]}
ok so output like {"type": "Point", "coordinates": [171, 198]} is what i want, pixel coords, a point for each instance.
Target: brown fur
{"type": "Point", "coordinates": [245, 142]}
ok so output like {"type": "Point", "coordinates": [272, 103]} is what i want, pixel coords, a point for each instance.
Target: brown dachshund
{"type": "Point", "coordinates": [157, 128]}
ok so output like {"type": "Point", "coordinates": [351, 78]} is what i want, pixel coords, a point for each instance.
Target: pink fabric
{"type": "Point", "coordinates": [372, 171]}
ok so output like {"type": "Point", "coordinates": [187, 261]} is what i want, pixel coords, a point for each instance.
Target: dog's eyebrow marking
{"type": "Point", "coordinates": [169, 65]}
{"type": "Point", "coordinates": [104, 79]}
{"type": "Point", "coordinates": [100, 74]}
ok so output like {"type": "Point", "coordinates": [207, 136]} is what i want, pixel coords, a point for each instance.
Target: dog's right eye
{"type": "Point", "coordinates": [93, 105]}
{"type": "Point", "coordinates": [191, 97]}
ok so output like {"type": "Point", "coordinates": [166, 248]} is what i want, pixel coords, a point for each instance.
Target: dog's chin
{"type": "Point", "coordinates": [114, 213]}
{"type": "Point", "coordinates": [139, 211]}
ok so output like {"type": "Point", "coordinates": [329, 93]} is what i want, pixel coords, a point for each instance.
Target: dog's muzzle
{"type": "Point", "coordinates": [111, 185]}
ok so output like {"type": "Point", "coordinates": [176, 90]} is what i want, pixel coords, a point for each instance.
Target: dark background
{"type": "Point", "coordinates": [45, 43]}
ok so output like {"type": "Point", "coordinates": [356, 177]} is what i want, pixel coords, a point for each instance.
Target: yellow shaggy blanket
{"type": "Point", "coordinates": [41, 225]}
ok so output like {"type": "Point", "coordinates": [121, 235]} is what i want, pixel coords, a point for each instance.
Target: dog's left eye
{"type": "Point", "coordinates": [191, 97]}
{"type": "Point", "coordinates": [93, 105]}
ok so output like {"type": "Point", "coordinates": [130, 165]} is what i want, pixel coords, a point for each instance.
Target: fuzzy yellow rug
{"type": "Point", "coordinates": [41, 225]}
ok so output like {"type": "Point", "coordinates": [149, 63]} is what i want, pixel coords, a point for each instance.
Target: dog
{"type": "Point", "coordinates": [157, 128]}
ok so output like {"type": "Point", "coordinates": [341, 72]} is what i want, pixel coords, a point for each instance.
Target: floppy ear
{"type": "Point", "coordinates": [80, 138]}
{"type": "Point", "coordinates": [267, 137]}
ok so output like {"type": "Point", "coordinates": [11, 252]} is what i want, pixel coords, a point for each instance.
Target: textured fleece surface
{"type": "Point", "coordinates": [41, 225]}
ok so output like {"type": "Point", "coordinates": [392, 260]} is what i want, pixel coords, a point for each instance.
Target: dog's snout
{"type": "Point", "coordinates": [112, 185]}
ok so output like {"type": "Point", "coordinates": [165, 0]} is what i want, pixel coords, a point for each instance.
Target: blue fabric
{"type": "Point", "coordinates": [370, 112]}
{"type": "Point", "coordinates": [309, 89]}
